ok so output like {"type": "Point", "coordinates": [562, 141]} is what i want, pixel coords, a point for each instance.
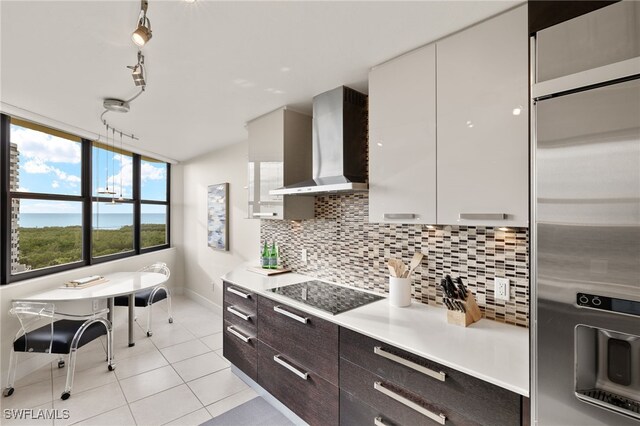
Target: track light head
{"type": "Point", "coordinates": [138, 71]}
{"type": "Point", "coordinates": [142, 34]}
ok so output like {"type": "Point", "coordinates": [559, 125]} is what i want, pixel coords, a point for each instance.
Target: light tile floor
{"type": "Point", "coordinates": [177, 377]}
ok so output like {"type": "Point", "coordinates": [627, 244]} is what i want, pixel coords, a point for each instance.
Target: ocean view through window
{"type": "Point", "coordinates": [56, 212]}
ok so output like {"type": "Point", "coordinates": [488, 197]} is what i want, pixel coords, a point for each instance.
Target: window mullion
{"type": "Point", "coordinates": [137, 208]}
{"type": "Point", "coordinates": [5, 211]}
{"type": "Point", "coordinates": [87, 205]}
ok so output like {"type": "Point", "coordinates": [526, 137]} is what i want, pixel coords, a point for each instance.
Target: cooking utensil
{"type": "Point", "coordinates": [399, 267]}
{"type": "Point", "coordinates": [415, 262]}
{"type": "Point", "coordinates": [451, 286]}
{"type": "Point", "coordinates": [392, 270]}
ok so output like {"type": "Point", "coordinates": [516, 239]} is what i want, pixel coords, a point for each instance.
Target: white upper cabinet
{"type": "Point", "coordinates": [279, 155]}
{"type": "Point", "coordinates": [483, 124]}
{"type": "Point", "coordinates": [402, 139]}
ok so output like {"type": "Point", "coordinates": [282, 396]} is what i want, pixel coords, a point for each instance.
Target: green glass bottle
{"type": "Point", "coordinates": [273, 256]}
{"type": "Point", "coordinates": [265, 256]}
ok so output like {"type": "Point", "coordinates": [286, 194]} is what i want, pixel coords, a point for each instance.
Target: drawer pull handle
{"type": "Point", "coordinates": [440, 375]}
{"type": "Point", "coordinates": [290, 367]}
{"type": "Point", "coordinates": [399, 215]}
{"type": "Point", "coordinates": [237, 313]}
{"type": "Point", "coordinates": [379, 422]}
{"type": "Point", "coordinates": [482, 216]}
{"type": "Point", "coordinates": [440, 418]}
{"type": "Point", "coordinates": [291, 315]}
{"type": "Point", "coordinates": [238, 293]}
{"type": "Point", "coordinates": [264, 214]}
{"type": "Point", "coordinates": [239, 335]}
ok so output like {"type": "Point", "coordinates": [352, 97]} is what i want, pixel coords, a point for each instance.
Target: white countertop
{"type": "Point", "coordinates": [491, 351]}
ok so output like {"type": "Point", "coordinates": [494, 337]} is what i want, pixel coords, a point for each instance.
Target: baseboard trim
{"type": "Point", "coordinates": [202, 301]}
{"type": "Point", "coordinates": [268, 397]}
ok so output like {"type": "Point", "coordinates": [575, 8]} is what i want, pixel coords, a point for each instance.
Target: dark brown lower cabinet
{"type": "Point", "coordinates": [305, 393]}
{"type": "Point", "coordinates": [239, 352]}
{"type": "Point", "coordinates": [399, 405]}
{"type": "Point", "coordinates": [354, 412]}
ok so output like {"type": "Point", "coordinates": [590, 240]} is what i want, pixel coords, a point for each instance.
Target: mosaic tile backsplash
{"type": "Point", "coordinates": [344, 247]}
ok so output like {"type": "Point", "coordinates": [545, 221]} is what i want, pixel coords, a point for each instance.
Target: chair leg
{"type": "Point", "coordinates": [169, 306]}
{"type": "Point", "coordinates": [11, 376]}
{"type": "Point", "coordinates": [71, 369]}
{"type": "Point", "coordinates": [149, 316]}
{"type": "Point", "coordinates": [110, 355]}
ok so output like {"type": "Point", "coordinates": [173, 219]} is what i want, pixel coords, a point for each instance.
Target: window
{"type": "Point", "coordinates": [154, 192]}
{"type": "Point", "coordinates": [45, 169]}
{"type": "Point", "coordinates": [70, 202]}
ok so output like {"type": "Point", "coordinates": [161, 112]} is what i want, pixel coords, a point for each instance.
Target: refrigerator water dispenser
{"type": "Point", "coordinates": [607, 369]}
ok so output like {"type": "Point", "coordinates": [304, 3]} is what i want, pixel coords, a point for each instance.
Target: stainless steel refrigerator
{"type": "Point", "coordinates": [586, 247]}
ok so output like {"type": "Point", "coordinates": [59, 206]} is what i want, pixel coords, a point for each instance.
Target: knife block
{"type": "Point", "coordinates": [467, 318]}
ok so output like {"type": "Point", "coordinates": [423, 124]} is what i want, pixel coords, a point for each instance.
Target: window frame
{"type": "Point", "coordinates": [86, 198]}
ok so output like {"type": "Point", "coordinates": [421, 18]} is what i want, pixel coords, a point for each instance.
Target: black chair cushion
{"type": "Point", "coordinates": [39, 339]}
{"type": "Point", "coordinates": [141, 298]}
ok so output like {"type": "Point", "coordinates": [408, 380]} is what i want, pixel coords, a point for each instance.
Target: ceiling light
{"type": "Point", "coordinates": [517, 110]}
{"type": "Point", "coordinates": [115, 105]}
{"type": "Point", "coordinates": [142, 34]}
{"type": "Point", "coordinates": [138, 71]}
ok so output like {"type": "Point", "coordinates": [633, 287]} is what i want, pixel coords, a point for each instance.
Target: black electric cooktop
{"type": "Point", "coordinates": [327, 297]}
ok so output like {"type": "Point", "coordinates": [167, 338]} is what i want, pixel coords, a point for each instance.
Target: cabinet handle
{"type": "Point", "coordinates": [239, 335]}
{"type": "Point", "coordinates": [379, 422]}
{"type": "Point", "coordinates": [291, 315]}
{"type": "Point", "coordinates": [440, 418]}
{"type": "Point", "coordinates": [482, 216]}
{"type": "Point", "coordinates": [264, 214]}
{"type": "Point", "coordinates": [290, 367]}
{"type": "Point", "coordinates": [238, 293]}
{"type": "Point", "coordinates": [440, 375]}
{"type": "Point", "coordinates": [400, 215]}
{"type": "Point", "coordinates": [237, 313]}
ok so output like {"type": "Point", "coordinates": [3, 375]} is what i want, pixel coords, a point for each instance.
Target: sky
{"type": "Point", "coordinates": [52, 165]}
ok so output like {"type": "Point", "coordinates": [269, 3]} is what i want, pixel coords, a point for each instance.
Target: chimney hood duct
{"type": "Point", "coordinates": [339, 145]}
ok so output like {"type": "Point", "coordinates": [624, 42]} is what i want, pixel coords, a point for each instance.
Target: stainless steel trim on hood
{"type": "Point", "coordinates": [321, 189]}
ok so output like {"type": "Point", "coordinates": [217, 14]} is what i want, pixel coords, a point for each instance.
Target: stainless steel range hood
{"type": "Point", "coordinates": [339, 145]}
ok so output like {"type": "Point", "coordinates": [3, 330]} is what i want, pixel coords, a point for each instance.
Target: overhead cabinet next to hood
{"type": "Point", "coordinates": [402, 139]}
{"type": "Point", "coordinates": [279, 155]}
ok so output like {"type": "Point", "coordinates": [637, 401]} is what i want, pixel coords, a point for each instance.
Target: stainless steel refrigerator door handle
{"type": "Point", "coordinates": [237, 313]}
{"type": "Point", "coordinates": [399, 215]}
{"type": "Point", "coordinates": [290, 367]}
{"type": "Point", "coordinates": [291, 315]}
{"type": "Point", "coordinates": [238, 293]}
{"type": "Point", "coordinates": [264, 214]}
{"type": "Point", "coordinates": [239, 335]}
{"type": "Point", "coordinates": [379, 422]}
{"type": "Point", "coordinates": [482, 216]}
{"type": "Point", "coordinates": [440, 375]}
{"type": "Point", "coordinates": [440, 418]}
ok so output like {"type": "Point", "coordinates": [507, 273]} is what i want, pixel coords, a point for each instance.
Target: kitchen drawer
{"type": "Point", "coordinates": [235, 295]}
{"type": "Point", "coordinates": [471, 397]}
{"type": "Point", "coordinates": [313, 344]}
{"type": "Point", "coordinates": [354, 412]}
{"type": "Point", "coordinates": [240, 353]}
{"type": "Point", "coordinates": [241, 317]}
{"type": "Point", "coordinates": [397, 403]}
{"type": "Point", "coordinates": [313, 399]}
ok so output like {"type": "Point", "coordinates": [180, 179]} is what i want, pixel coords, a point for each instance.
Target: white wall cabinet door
{"type": "Point", "coordinates": [483, 123]}
{"type": "Point", "coordinates": [402, 139]}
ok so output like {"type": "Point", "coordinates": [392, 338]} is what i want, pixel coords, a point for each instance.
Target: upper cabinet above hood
{"type": "Point", "coordinates": [339, 145]}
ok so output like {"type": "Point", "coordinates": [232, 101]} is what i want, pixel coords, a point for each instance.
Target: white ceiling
{"type": "Point", "coordinates": [211, 66]}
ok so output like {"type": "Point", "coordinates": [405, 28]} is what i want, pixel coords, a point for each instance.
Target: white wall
{"type": "Point", "coordinates": [203, 265]}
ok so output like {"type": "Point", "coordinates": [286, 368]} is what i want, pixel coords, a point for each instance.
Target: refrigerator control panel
{"type": "Point", "coordinates": [622, 306]}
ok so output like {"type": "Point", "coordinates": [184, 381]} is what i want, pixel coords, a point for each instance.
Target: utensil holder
{"type": "Point", "coordinates": [399, 291]}
{"type": "Point", "coordinates": [467, 318]}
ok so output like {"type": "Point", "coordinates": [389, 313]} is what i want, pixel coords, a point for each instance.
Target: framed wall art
{"type": "Point", "coordinates": [218, 216]}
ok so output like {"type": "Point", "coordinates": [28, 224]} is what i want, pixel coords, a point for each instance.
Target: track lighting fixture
{"type": "Point", "coordinates": [142, 34]}
{"type": "Point", "coordinates": [138, 71]}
